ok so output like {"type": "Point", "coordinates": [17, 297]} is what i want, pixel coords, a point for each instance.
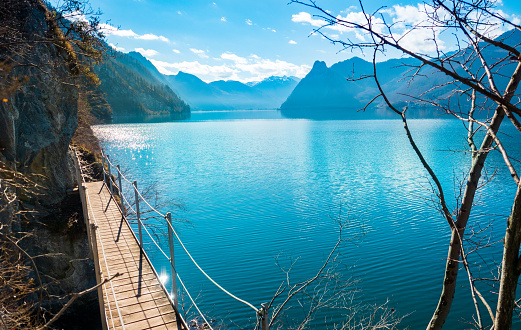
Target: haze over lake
{"type": "Point", "coordinates": [256, 186]}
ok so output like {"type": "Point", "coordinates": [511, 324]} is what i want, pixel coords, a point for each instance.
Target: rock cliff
{"type": "Point", "coordinates": [38, 117]}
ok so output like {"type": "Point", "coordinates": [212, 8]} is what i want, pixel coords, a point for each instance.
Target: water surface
{"type": "Point", "coordinates": [257, 186]}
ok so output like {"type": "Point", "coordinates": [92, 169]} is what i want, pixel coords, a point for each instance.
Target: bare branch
{"type": "Point", "coordinates": [76, 296]}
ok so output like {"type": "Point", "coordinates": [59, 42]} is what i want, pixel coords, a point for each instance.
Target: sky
{"type": "Point", "coordinates": [245, 40]}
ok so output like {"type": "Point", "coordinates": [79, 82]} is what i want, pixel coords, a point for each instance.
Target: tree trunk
{"type": "Point", "coordinates": [451, 268]}
{"type": "Point", "coordinates": [510, 267]}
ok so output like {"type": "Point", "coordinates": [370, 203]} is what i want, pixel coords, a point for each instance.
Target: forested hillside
{"type": "Point", "coordinates": [133, 91]}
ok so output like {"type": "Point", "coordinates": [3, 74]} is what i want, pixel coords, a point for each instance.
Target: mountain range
{"type": "Point", "coordinates": [132, 89]}
{"type": "Point", "coordinates": [232, 95]}
{"type": "Point", "coordinates": [224, 95]}
{"type": "Point", "coordinates": [335, 92]}
{"type": "Point", "coordinates": [132, 86]}
{"type": "Point", "coordinates": [325, 92]}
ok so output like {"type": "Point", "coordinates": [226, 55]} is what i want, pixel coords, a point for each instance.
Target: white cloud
{"type": "Point", "coordinates": [413, 30]}
{"type": "Point", "coordinates": [293, 42]}
{"type": "Point", "coordinates": [360, 37]}
{"type": "Point", "coordinates": [179, 12]}
{"type": "Point", "coordinates": [495, 27]}
{"type": "Point", "coordinates": [304, 17]}
{"type": "Point", "coordinates": [176, 51]}
{"type": "Point", "coordinates": [249, 22]}
{"type": "Point", "coordinates": [111, 30]}
{"type": "Point", "coordinates": [119, 49]}
{"type": "Point", "coordinates": [264, 68]}
{"type": "Point", "coordinates": [420, 40]}
{"type": "Point", "coordinates": [199, 52]}
{"type": "Point", "coordinates": [408, 14]}
{"type": "Point", "coordinates": [354, 17]}
{"type": "Point", "coordinates": [357, 18]}
{"type": "Point", "coordinates": [76, 16]}
{"type": "Point", "coordinates": [239, 68]}
{"type": "Point", "coordinates": [408, 26]}
{"type": "Point", "coordinates": [203, 71]}
{"type": "Point", "coordinates": [146, 52]}
{"type": "Point", "coordinates": [150, 36]}
{"type": "Point", "coordinates": [234, 58]}
{"type": "Point", "coordinates": [223, 19]}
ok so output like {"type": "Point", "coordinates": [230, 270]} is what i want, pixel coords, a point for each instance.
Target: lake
{"type": "Point", "coordinates": [259, 189]}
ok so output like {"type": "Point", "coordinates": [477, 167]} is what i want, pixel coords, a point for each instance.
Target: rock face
{"type": "Point", "coordinates": [326, 92]}
{"type": "Point", "coordinates": [38, 117]}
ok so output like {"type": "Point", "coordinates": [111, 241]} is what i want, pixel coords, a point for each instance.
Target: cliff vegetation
{"type": "Point", "coordinates": [48, 95]}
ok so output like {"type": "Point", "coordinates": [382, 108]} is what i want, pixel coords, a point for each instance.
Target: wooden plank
{"type": "Point", "coordinates": [136, 297]}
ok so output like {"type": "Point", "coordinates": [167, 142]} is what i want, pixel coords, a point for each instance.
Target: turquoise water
{"type": "Point", "coordinates": [256, 186]}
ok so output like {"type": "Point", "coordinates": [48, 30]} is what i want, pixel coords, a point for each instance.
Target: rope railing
{"type": "Point", "coordinates": [193, 301]}
{"type": "Point", "coordinates": [261, 313]}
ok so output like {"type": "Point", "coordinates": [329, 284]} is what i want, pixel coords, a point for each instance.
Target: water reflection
{"type": "Point", "coordinates": [256, 188]}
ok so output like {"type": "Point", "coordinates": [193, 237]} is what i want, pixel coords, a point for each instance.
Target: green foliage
{"type": "Point", "coordinates": [130, 89]}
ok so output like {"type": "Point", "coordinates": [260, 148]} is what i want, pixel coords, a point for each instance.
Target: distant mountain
{"type": "Point", "coordinates": [327, 93]}
{"type": "Point", "coordinates": [232, 95]}
{"type": "Point", "coordinates": [430, 77]}
{"type": "Point", "coordinates": [224, 95]}
{"type": "Point", "coordinates": [135, 91]}
{"type": "Point", "coordinates": [200, 95]}
{"type": "Point", "coordinates": [152, 70]}
{"type": "Point", "coordinates": [277, 89]}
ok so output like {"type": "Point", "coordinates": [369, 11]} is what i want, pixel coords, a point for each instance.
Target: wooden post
{"type": "Point", "coordinates": [111, 185]}
{"type": "Point", "coordinates": [103, 168]}
{"type": "Point", "coordinates": [120, 192]}
{"type": "Point", "coordinates": [265, 317]}
{"type": "Point", "coordinates": [172, 260]}
{"type": "Point", "coordinates": [94, 248]}
{"type": "Point", "coordinates": [138, 216]}
{"type": "Point", "coordinates": [110, 178]}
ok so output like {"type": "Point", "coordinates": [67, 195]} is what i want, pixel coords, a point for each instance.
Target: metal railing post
{"type": "Point", "coordinates": [172, 260]}
{"type": "Point", "coordinates": [138, 216]}
{"type": "Point", "coordinates": [110, 177]}
{"type": "Point", "coordinates": [103, 169]}
{"type": "Point", "coordinates": [120, 192]}
{"type": "Point", "coordinates": [111, 185]}
{"type": "Point", "coordinates": [265, 317]}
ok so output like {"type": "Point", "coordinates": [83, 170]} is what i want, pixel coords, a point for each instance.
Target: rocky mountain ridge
{"type": "Point", "coordinates": [224, 95]}
{"type": "Point", "coordinates": [335, 92]}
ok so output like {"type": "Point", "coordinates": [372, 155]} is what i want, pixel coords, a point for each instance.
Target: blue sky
{"type": "Point", "coordinates": [246, 40]}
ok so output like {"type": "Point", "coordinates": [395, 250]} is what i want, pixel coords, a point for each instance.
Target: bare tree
{"type": "Point", "coordinates": [328, 290]}
{"type": "Point", "coordinates": [481, 67]}
{"type": "Point", "coordinates": [72, 28]}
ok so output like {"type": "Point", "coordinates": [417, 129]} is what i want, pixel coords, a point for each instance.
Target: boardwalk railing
{"type": "Point", "coordinates": [130, 211]}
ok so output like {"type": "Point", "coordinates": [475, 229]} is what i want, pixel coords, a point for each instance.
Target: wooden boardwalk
{"type": "Point", "coordinates": [135, 298]}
